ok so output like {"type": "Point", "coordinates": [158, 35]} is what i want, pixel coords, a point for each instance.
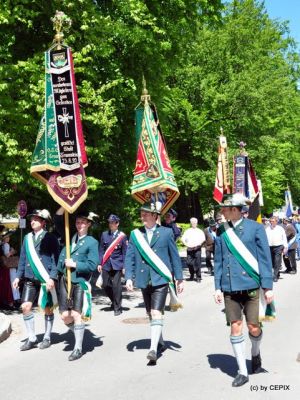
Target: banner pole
{"type": "Point", "coordinates": [156, 201]}
{"type": "Point", "coordinates": [68, 253]}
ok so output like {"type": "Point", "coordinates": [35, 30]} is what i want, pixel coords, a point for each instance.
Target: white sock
{"type": "Point", "coordinates": [79, 333]}
{"type": "Point", "coordinates": [256, 341]}
{"type": "Point", "coordinates": [161, 339]}
{"type": "Point", "coordinates": [29, 323]}
{"type": "Point", "coordinates": [156, 332]}
{"type": "Point", "coordinates": [238, 345]}
{"type": "Point", "coordinates": [48, 326]}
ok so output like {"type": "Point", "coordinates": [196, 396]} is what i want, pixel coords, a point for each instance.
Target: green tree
{"type": "Point", "coordinates": [240, 75]}
{"type": "Point", "coordinates": [114, 43]}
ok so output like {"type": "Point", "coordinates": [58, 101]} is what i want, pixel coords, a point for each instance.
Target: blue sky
{"type": "Point", "coordinates": [286, 10]}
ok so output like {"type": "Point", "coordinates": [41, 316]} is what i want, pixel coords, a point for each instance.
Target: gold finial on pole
{"type": "Point", "coordinates": [60, 21]}
{"type": "Point", "coordinates": [145, 97]}
{"type": "Point", "coordinates": [242, 149]}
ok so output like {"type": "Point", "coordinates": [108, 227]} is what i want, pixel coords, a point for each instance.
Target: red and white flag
{"type": "Point", "coordinates": [222, 183]}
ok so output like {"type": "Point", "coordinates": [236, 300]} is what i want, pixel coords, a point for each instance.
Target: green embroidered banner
{"type": "Point", "coordinates": [153, 178]}
{"type": "Point", "coordinates": [59, 157]}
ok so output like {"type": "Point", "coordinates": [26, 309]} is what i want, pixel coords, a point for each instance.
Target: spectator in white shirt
{"type": "Point", "coordinates": [194, 238]}
{"type": "Point", "coordinates": [278, 245]}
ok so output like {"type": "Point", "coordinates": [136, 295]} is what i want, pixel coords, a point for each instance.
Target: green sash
{"type": "Point", "coordinates": [157, 264]}
{"type": "Point", "coordinates": [87, 300]}
{"type": "Point", "coordinates": [250, 265]}
{"type": "Point", "coordinates": [46, 298]}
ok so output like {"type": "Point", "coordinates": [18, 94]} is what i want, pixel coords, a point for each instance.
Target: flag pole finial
{"type": "Point", "coordinates": [60, 21]}
{"type": "Point", "coordinates": [242, 146]}
{"type": "Point", "coordinates": [145, 97]}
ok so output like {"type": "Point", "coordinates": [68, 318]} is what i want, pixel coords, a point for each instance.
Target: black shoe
{"type": "Point", "coordinates": [240, 380]}
{"type": "Point", "coordinates": [152, 356]}
{"type": "Point", "coordinates": [44, 344]}
{"type": "Point", "coordinates": [117, 312]}
{"type": "Point", "coordinates": [190, 278]}
{"type": "Point", "coordinates": [287, 271]}
{"type": "Point", "coordinates": [75, 355]}
{"type": "Point", "coordinates": [28, 345]}
{"type": "Point", "coordinates": [161, 347]}
{"type": "Point", "coordinates": [256, 364]}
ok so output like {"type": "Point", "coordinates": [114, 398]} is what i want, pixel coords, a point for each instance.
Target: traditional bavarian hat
{"type": "Point", "coordinates": [88, 215]}
{"type": "Point", "coordinates": [149, 207]}
{"type": "Point", "coordinates": [234, 200]}
{"type": "Point", "coordinates": [44, 214]}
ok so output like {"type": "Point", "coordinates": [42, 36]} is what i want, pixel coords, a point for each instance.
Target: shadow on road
{"type": "Point", "coordinates": [224, 362]}
{"type": "Point", "coordinates": [90, 342]}
{"type": "Point", "coordinates": [144, 344]}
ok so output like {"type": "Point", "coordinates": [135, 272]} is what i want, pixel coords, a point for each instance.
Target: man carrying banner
{"type": "Point", "coordinates": [243, 275]}
{"type": "Point", "coordinates": [84, 260]}
{"type": "Point", "coordinates": [113, 246]}
{"type": "Point", "coordinates": [37, 264]}
{"type": "Point", "coordinates": [152, 260]}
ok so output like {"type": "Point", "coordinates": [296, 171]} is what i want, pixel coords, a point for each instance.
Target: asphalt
{"type": "Point", "coordinates": [5, 327]}
{"type": "Point", "coordinates": [198, 363]}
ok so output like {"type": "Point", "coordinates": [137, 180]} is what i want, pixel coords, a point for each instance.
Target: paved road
{"type": "Point", "coordinates": [198, 363]}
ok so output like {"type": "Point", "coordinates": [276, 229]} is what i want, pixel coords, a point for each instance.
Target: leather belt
{"type": "Point", "coordinates": [241, 291]}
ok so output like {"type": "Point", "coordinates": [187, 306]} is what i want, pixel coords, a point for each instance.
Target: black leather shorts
{"type": "Point", "coordinates": [30, 291]}
{"type": "Point", "coordinates": [76, 298]}
{"type": "Point", "coordinates": [155, 297]}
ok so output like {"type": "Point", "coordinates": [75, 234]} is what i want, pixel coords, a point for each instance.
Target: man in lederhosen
{"type": "Point", "coordinates": [113, 246]}
{"type": "Point", "coordinates": [151, 262]}
{"type": "Point", "coordinates": [37, 265]}
{"type": "Point", "coordinates": [83, 262]}
{"type": "Point", "coordinates": [243, 279]}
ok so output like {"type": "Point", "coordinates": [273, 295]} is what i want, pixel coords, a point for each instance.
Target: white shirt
{"type": "Point", "coordinates": [193, 237]}
{"type": "Point", "coordinates": [149, 232]}
{"type": "Point", "coordinates": [236, 223]}
{"type": "Point", "coordinates": [75, 240]}
{"type": "Point", "coordinates": [276, 236]}
{"type": "Point", "coordinates": [6, 248]}
{"type": "Point", "coordinates": [38, 233]}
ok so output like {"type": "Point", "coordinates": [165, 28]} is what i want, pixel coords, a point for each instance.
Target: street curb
{"type": "Point", "coordinates": [5, 327]}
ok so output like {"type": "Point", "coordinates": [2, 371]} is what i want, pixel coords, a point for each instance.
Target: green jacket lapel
{"type": "Point", "coordinates": [239, 229]}
{"type": "Point", "coordinates": [155, 237]}
{"type": "Point", "coordinates": [75, 248]}
{"type": "Point", "coordinates": [39, 239]}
